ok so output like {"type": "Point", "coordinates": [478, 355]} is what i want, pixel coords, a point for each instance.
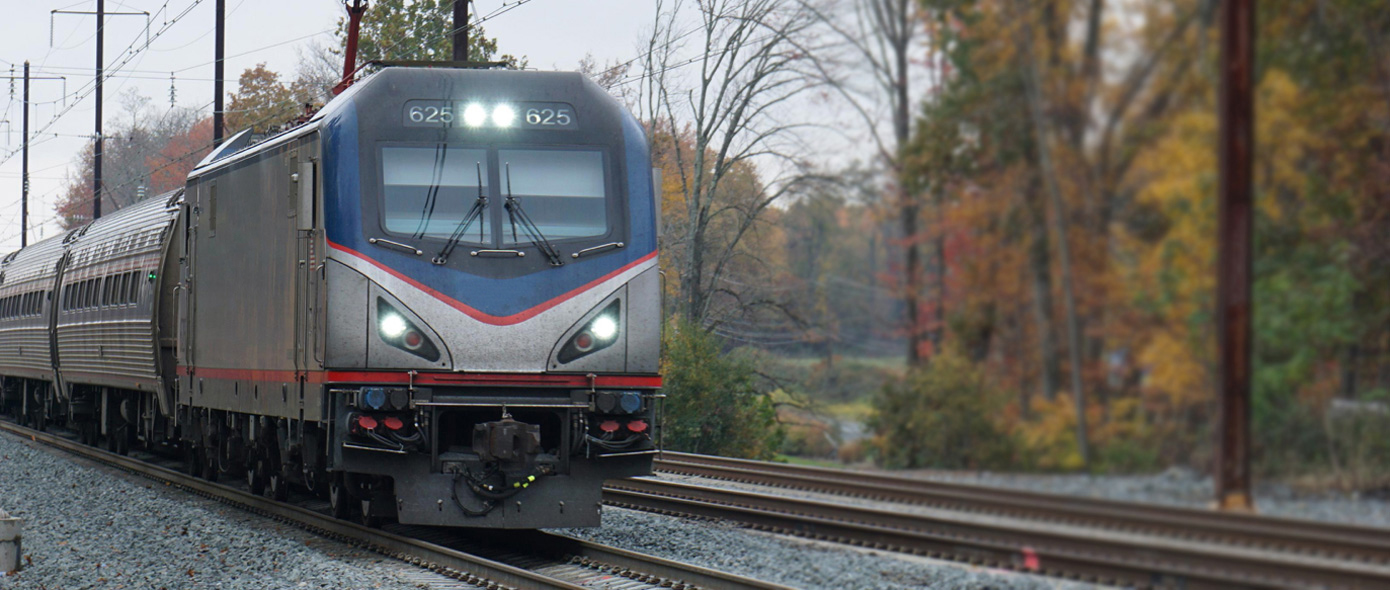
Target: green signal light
{"type": "Point", "coordinates": [151, 275]}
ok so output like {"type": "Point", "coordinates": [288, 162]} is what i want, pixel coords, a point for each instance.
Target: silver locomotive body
{"type": "Point", "coordinates": [308, 312]}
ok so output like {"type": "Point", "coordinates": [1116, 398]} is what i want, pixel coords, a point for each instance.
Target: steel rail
{"type": "Point", "coordinates": [443, 560]}
{"type": "Point", "coordinates": [1031, 546]}
{"type": "Point", "coordinates": [1300, 537]}
{"type": "Point", "coordinates": [651, 567]}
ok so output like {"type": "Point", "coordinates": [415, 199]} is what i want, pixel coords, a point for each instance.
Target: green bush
{"type": "Point", "coordinates": [712, 405]}
{"type": "Point", "coordinates": [943, 416]}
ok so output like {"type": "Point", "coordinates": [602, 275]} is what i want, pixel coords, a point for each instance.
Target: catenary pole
{"type": "Point", "coordinates": [96, 148]}
{"type": "Point", "coordinates": [1234, 253]}
{"type": "Point", "coordinates": [24, 168]}
{"type": "Point", "coordinates": [27, 77]}
{"type": "Point", "coordinates": [220, 40]}
{"type": "Point", "coordinates": [460, 30]}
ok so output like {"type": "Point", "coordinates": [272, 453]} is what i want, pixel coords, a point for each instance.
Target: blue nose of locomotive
{"type": "Point", "coordinates": [489, 221]}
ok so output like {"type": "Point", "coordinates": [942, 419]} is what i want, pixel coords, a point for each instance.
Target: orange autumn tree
{"type": "Point", "coordinates": [1076, 150]}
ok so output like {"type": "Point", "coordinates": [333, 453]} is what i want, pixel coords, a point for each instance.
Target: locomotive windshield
{"type": "Point", "coordinates": [563, 191]}
{"type": "Point", "coordinates": [427, 191]}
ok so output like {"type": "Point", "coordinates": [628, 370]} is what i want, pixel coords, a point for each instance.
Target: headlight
{"type": "Point", "coordinates": [397, 331]}
{"type": "Point", "coordinates": [600, 333]}
{"type": "Point", "coordinates": [393, 325]}
{"type": "Point", "coordinates": [604, 327]}
{"type": "Point", "coordinates": [474, 115]}
{"type": "Point", "coordinates": [503, 115]}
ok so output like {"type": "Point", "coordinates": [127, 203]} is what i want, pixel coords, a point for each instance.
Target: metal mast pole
{"type": "Point", "coordinates": [1234, 253]}
{"type": "Point", "coordinates": [220, 42]}
{"type": "Point", "coordinates": [96, 152]}
{"type": "Point", "coordinates": [24, 168]}
{"type": "Point", "coordinates": [355, 11]}
{"type": "Point", "coordinates": [460, 30]}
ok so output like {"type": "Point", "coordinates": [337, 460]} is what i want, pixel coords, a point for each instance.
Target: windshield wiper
{"type": "Point", "coordinates": [432, 195]}
{"type": "Point", "coordinates": [473, 214]}
{"type": "Point", "coordinates": [515, 212]}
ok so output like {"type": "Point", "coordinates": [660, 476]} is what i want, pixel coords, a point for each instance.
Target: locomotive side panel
{"type": "Point", "coordinates": [248, 342]}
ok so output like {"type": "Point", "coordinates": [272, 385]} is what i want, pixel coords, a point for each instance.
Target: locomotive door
{"type": "Point", "coordinates": [304, 184]}
{"type": "Point", "coordinates": [192, 209]}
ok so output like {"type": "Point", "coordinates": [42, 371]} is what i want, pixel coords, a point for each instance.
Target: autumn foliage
{"type": "Point", "coordinates": [1117, 120]}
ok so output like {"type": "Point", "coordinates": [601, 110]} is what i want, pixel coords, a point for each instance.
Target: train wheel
{"type": "Point", "coordinates": [339, 501]}
{"type": "Point", "coordinates": [368, 520]}
{"type": "Point", "coordinates": [279, 488]}
{"type": "Point", "coordinates": [123, 436]}
{"type": "Point", "coordinates": [255, 476]}
{"type": "Point", "coordinates": [208, 462]}
{"type": "Point", "coordinates": [190, 460]}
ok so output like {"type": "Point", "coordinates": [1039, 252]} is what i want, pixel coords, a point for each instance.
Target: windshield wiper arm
{"type": "Point", "coordinates": [432, 195]}
{"type": "Point", "coordinates": [473, 214]}
{"type": "Point", "coordinates": [515, 213]}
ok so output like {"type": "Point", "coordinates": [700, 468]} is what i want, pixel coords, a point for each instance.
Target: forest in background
{"type": "Point", "coordinates": [1019, 270]}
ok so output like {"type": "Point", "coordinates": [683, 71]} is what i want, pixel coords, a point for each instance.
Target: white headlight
{"type": "Point", "coordinates": [392, 326]}
{"type": "Point", "coordinates": [604, 327]}
{"type": "Point", "coordinates": [503, 115]}
{"type": "Point", "coordinates": [474, 115]}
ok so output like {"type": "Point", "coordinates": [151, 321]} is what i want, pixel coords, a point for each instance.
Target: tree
{"type": "Point", "coordinates": [716, 129]}
{"type": "Point", "coordinates": [261, 102]}
{"type": "Point", "coordinates": [417, 30]}
{"type": "Point", "coordinates": [878, 36]}
{"type": "Point", "coordinates": [130, 169]}
{"type": "Point", "coordinates": [943, 416]}
{"type": "Point", "coordinates": [712, 405]}
{"type": "Point", "coordinates": [170, 167]}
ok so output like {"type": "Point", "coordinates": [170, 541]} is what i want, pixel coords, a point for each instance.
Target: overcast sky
{"type": "Point", "coordinates": [552, 34]}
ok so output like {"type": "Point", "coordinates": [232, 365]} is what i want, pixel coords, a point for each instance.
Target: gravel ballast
{"type": "Point", "coordinates": [1189, 488]}
{"type": "Point", "coordinates": [94, 527]}
{"type": "Point", "coordinates": [791, 561]}
{"type": "Point", "coordinates": [87, 527]}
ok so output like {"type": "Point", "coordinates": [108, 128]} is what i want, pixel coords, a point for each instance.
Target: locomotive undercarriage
{"type": "Point", "coordinates": [486, 457]}
{"type": "Point", "coordinates": [471, 457]}
{"type": "Point", "coordinates": [112, 418]}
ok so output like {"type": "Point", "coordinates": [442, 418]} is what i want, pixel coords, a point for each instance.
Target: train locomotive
{"type": "Point", "coordinates": [436, 301]}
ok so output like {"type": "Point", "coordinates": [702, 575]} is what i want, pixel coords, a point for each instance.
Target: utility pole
{"type": "Point", "coordinates": [101, 15]}
{"type": "Point", "coordinates": [24, 150]}
{"type": "Point", "coordinates": [460, 30]}
{"type": "Point", "coordinates": [1236, 213]}
{"type": "Point", "coordinates": [220, 42]}
{"type": "Point", "coordinates": [96, 151]}
{"type": "Point", "coordinates": [24, 168]}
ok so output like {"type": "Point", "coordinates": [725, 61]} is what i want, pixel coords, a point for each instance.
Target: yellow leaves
{"type": "Point", "coordinates": [1175, 371]}
{"type": "Point", "coordinates": [1281, 137]}
{"type": "Point", "coordinates": [1052, 433]}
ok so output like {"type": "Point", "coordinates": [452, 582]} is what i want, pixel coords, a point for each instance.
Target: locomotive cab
{"type": "Point", "coordinates": [491, 296]}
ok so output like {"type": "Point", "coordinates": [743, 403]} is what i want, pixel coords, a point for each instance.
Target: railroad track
{"type": "Point", "coordinates": [1104, 541]}
{"type": "Point", "coordinates": [528, 559]}
{"type": "Point", "coordinates": [1307, 537]}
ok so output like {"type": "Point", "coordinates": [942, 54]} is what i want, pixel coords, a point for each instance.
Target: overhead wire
{"type": "Point", "coordinates": [132, 52]}
{"type": "Point", "coordinates": [129, 53]}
